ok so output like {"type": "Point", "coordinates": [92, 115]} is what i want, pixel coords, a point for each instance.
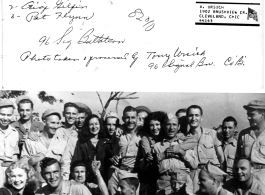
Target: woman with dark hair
{"type": "Point", "coordinates": [154, 126]}
{"type": "Point", "coordinates": [19, 180]}
{"type": "Point", "coordinates": [92, 143]}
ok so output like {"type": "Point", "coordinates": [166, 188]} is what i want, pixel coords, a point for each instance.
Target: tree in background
{"type": "Point", "coordinates": [114, 96]}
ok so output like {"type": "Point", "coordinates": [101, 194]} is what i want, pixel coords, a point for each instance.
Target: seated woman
{"type": "Point", "coordinates": [19, 180]}
{"type": "Point", "coordinates": [153, 125]}
{"type": "Point", "coordinates": [92, 144]}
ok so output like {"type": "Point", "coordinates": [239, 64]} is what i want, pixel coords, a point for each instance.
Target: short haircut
{"type": "Point", "coordinates": [78, 163]}
{"type": "Point", "coordinates": [182, 110]}
{"type": "Point", "coordinates": [70, 104]}
{"type": "Point", "coordinates": [47, 161]}
{"type": "Point", "coordinates": [24, 101]}
{"type": "Point", "coordinates": [132, 182]}
{"type": "Point", "coordinates": [129, 109]}
{"type": "Point", "coordinates": [194, 107]}
{"type": "Point", "coordinates": [117, 121]}
{"type": "Point", "coordinates": [22, 165]}
{"type": "Point", "coordinates": [230, 119]}
{"type": "Point", "coordinates": [244, 158]}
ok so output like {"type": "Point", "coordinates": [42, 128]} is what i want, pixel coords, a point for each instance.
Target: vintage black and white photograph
{"type": "Point", "coordinates": [71, 142]}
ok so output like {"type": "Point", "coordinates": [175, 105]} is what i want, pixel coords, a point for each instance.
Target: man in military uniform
{"type": "Point", "coordinates": [210, 181]}
{"type": "Point", "coordinates": [244, 182]}
{"type": "Point", "coordinates": [229, 143]}
{"type": "Point", "coordinates": [26, 126]}
{"type": "Point", "coordinates": [209, 148]}
{"type": "Point", "coordinates": [128, 184]}
{"type": "Point", "coordinates": [83, 112]}
{"type": "Point", "coordinates": [9, 138]}
{"type": "Point", "coordinates": [69, 132]}
{"type": "Point", "coordinates": [173, 159]}
{"type": "Point", "coordinates": [251, 141]}
{"type": "Point", "coordinates": [48, 143]}
{"type": "Point", "coordinates": [127, 154]}
{"type": "Point", "coordinates": [51, 172]}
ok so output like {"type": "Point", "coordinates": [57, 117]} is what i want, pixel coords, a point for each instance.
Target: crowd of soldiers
{"type": "Point", "coordinates": [149, 153]}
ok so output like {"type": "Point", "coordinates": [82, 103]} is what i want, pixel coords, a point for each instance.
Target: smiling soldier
{"type": "Point", "coordinates": [244, 182]}
{"type": "Point", "coordinates": [126, 152]}
{"type": "Point", "coordinates": [209, 148]}
{"type": "Point", "coordinates": [51, 172]}
{"type": "Point", "coordinates": [47, 145]}
{"type": "Point", "coordinates": [251, 141]}
{"type": "Point", "coordinates": [69, 130]}
{"type": "Point", "coordinates": [172, 159]}
{"type": "Point", "coordinates": [8, 138]}
{"type": "Point", "coordinates": [229, 126]}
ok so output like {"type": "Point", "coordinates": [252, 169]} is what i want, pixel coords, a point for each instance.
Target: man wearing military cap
{"type": "Point", "coordinates": [171, 158]}
{"type": "Point", "coordinates": [48, 144]}
{"type": "Point", "coordinates": [26, 126]}
{"type": "Point", "coordinates": [142, 112]}
{"type": "Point", "coordinates": [128, 183]}
{"type": "Point", "coordinates": [9, 138]}
{"type": "Point", "coordinates": [244, 182]}
{"type": "Point", "coordinates": [210, 181]}
{"type": "Point", "coordinates": [83, 112]}
{"type": "Point", "coordinates": [251, 141]}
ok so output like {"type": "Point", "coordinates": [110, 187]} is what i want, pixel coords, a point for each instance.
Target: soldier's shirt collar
{"type": "Point", "coordinates": [231, 141]}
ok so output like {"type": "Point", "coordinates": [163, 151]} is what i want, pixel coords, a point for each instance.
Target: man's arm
{"type": "Point", "coordinates": [101, 184]}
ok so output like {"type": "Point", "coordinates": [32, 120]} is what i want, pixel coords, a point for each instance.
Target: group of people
{"type": "Point", "coordinates": [148, 153]}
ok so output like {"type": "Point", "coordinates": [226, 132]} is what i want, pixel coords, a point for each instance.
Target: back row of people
{"type": "Point", "coordinates": [165, 153]}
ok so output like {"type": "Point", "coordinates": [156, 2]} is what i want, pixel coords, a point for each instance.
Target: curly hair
{"type": "Point", "coordinates": [22, 165]}
{"type": "Point", "coordinates": [157, 116]}
{"type": "Point", "coordinates": [85, 133]}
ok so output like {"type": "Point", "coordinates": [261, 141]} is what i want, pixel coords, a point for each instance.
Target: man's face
{"type": "Point", "coordinates": [255, 117]}
{"type": "Point", "coordinates": [155, 127]}
{"type": "Point", "coordinates": [79, 174]}
{"type": "Point", "coordinates": [25, 111]}
{"type": "Point", "coordinates": [194, 117]}
{"type": "Point", "coordinates": [52, 175]}
{"type": "Point", "coordinates": [206, 183]}
{"type": "Point", "coordinates": [130, 120]}
{"type": "Point", "coordinates": [52, 123]}
{"type": "Point", "coordinates": [171, 127]}
{"type": "Point", "coordinates": [70, 114]}
{"type": "Point", "coordinates": [126, 189]}
{"type": "Point", "coordinates": [176, 184]}
{"type": "Point", "coordinates": [111, 125]}
{"type": "Point", "coordinates": [6, 116]}
{"type": "Point", "coordinates": [80, 119]}
{"type": "Point", "coordinates": [141, 116]}
{"type": "Point", "coordinates": [228, 129]}
{"type": "Point", "coordinates": [242, 170]}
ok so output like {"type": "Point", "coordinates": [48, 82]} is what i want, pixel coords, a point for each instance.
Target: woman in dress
{"type": "Point", "coordinates": [19, 180]}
